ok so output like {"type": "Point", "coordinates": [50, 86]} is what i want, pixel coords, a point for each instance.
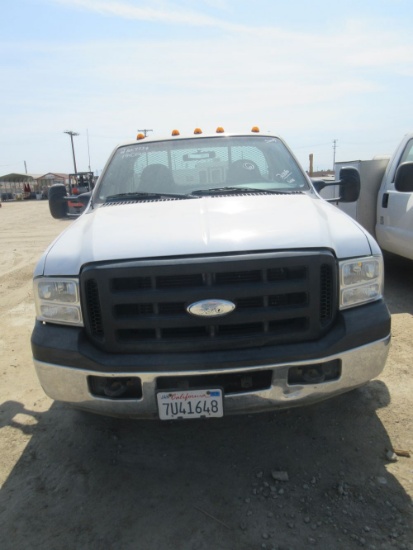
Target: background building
{"type": "Point", "coordinates": [16, 185]}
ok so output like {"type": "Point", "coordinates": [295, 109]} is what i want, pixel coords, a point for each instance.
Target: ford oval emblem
{"type": "Point", "coordinates": [211, 308]}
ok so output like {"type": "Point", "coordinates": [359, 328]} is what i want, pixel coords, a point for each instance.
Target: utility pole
{"type": "Point", "coordinates": [71, 134]}
{"type": "Point", "coordinates": [334, 151]}
{"type": "Point", "coordinates": [145, 131]}
{"type": "Point", "coordinates": [88, 150]}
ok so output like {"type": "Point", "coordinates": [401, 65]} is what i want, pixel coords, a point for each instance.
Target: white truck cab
{"type": "Point", "coordinates": [385, 203]}
{"type": "Point", "coordinates": [394, 225]}
{"type": "Point", "coordinates": [205, 277]}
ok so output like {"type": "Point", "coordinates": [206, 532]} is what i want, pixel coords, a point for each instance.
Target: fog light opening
{"type": "Point", "coordinates": [115, 388]}
{"type": "Point", "coordinates": [315, 374]}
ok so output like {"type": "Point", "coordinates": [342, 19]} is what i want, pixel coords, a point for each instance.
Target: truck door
{"type": "Point", "coordinates": [394, 228]}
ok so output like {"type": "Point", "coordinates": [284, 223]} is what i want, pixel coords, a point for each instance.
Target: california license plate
{"type": "Point", "coordinates": [182, 404]}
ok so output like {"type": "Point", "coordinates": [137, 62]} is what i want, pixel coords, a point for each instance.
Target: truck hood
{"type": "Point", "coordinates": [208, 225]}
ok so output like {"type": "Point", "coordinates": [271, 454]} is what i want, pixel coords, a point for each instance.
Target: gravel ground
{"type": "Point", "coordinates": [324, 476]}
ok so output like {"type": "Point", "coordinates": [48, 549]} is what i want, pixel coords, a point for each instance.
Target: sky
{"type": "Point", "coordinates": [315, 72]}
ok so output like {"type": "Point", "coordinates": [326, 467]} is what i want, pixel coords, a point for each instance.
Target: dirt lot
{"type": "Point", "coordinates": [73, 480]}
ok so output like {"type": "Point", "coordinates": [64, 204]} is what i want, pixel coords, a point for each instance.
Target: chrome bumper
{"type": "Point", "coordinates": [358, 366]}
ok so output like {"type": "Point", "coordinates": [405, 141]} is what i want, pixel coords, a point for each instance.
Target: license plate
{"type": "Point", "coordinates": [182, 404]}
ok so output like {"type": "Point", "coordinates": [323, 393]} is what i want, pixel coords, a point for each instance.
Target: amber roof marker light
{"type": "Point", "coordinates": [255, 129]}
{"type": "Point", "coordinates": [140, 136]}
{"type": "Point", "coordinates": [197, 131]}
{"type": "Point", "coordinates": [220, 130]}
{"type": "Point", "coordinates": [175, 133]}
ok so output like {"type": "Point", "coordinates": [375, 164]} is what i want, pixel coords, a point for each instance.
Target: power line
{"type": "Point", "coordinates": [312, 146]}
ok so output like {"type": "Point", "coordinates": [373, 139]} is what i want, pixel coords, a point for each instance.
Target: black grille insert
{"type": "Point", "coordinates": [141, 307]}
{"type": "Point", "coordinates": [94, 310]}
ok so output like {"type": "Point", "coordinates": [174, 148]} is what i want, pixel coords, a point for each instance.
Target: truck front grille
{"type": "Point", "coordinates": [141, 306]}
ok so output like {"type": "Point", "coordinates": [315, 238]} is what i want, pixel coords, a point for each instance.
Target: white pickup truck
{"type": "Point", "coordinates": [385, 204]}
{"type": "Point", "coordinates": [207, 277]}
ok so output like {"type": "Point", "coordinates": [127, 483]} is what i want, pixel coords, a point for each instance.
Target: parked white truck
{"type": "Point", "coordinates": [385, 205]}
{"type": "Point", "coordinates": [208, 277]}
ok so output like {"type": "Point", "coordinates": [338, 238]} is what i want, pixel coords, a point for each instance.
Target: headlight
{"type": "Point", "coordinates": [57, 301]}
{"type": "Point", "coordinates": [361, 281]}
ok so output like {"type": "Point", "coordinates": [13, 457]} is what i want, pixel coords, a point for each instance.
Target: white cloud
{"type": "Point", "coordinates": [163, 13]}
{"type": "Point", "coordinates": [357, 43]}
{"type": "Point", "coordinates": [297, 83]}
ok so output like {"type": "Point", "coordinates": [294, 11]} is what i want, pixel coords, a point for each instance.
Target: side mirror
{"type": "Point", "coordinates": [319, 184]}
{"type": "Point", "coordinates": [404, 178]}
{"type": "Point", "coordinates": [349, 184]}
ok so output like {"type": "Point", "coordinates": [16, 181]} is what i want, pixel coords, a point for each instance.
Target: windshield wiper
{"type": "Point", "coordinates": [147, 196]}
{"type": "Point", "coordinates": [235, 191]}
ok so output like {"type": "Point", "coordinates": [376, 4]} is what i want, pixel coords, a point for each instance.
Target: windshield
{"type": "Point", "coordinates": [186, 166]}
{"type": "Point", "coordinates": [408, 152]}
